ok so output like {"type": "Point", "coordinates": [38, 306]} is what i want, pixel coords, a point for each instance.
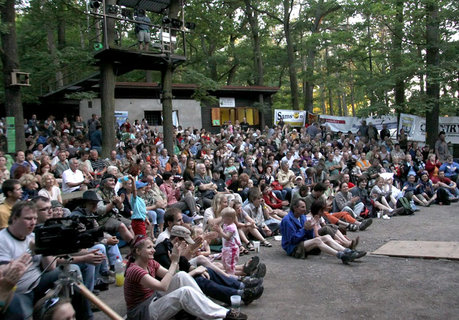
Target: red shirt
{"type": "Point", "coordinates": [445, 180]}
{"type": "Point", "coordinates": [134, 293]}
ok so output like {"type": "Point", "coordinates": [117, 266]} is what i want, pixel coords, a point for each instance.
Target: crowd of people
{"type": "Point", "coordinates": [227, 191]}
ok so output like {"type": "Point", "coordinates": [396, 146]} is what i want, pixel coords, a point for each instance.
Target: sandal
{"type": "Point", "coordinates": [243, 250]}
{"type": "Point", "coordinates": [266, 244]}
{"type": "Point", "coordinates": [250, 246]}
{"type": "Point", "coordinates": [352, 227]}
{"type": "Point", "coordinates": [251, 265]}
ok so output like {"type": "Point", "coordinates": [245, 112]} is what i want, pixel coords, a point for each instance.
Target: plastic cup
{"type": "Point", "coordinates": [236, 303]}
{"type": "Point", "coordinates": [256, 246]}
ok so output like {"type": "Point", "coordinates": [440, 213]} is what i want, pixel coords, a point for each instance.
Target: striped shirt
{"type": "Point", "coordinates": [134, 293]}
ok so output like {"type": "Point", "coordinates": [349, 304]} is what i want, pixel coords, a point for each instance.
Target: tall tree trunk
{"type": "Point", "coordinates": [13, 102]}
{"type": "Point", "coordinates": [340, 105]}
{"type": "Point", "coordinates": [291, 57]}
{"type": "Point", "coordinates": [352, 100]}
{"type": "Point", "coordinates": [330, 100]}
{"type": "Point", "coordinates": [320, 13]}
{"type": "Point", "coordinates": [107, 92]}
{"type": "Point", "coordinates": [397, 35]}
{"type": "Point", "coordinates": [252, 17]}
{"type": "Point", "coordinates": [166, 82]}
{"type": "Point", "coordinates": [432, 76]}
{"type": "Point", "coordinates": [345, 111]}
{"type": "Point", "coordinates": [53, 53]}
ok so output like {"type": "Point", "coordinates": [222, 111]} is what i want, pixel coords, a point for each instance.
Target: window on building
{"type": "Point", "coordinates": [154, 118]}
{"type": "Point", "coordinates": [221, 116]}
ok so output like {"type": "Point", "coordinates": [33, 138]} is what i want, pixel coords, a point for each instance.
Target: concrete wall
{"type": "Point", "coordinates": [189, 111]}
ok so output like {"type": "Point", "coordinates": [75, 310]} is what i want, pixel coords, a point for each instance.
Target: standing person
{"type": "Point", "coordinates": [139, 219]}
{"type": "Point", "coordinates": [13, 193]}
{"type": "Point", "coordinates": [441, 147]}
{"type": "Point", "coordinates": [231, 241]}
{"type": "Point", "coordinates": [142, 30]}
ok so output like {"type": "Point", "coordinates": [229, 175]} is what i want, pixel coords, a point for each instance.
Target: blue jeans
{"type": "Point", "coordinates": [218, 287]}
{"type": "Point", "coordinates": [91, 272]}
{"type": "Point", "coordinates": [156, 216]}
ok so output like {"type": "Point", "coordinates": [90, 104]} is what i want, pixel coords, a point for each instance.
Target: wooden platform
{"type": "Point", "coordinates": [127, 60]}
{"type": "Point", "coordinates": [420, 249]}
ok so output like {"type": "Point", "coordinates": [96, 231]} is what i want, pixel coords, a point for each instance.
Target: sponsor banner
{"type": "Point", "coordinates": [415, 127]}
{"type": "Point", "coordinates": [343, 124]}
{"type": "Point", "coordinates": [295, 118]}
{"type": "Point", "coordinates": [120, 117]}
{"type": "Point", "coordinates": [227, 102]}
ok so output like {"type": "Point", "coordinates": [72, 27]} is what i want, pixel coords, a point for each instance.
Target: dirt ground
{"type": "Point", "coordinates": [376, 287]}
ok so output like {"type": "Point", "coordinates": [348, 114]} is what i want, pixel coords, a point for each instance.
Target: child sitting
{"type": "Point", "coordinates": [231, 241]}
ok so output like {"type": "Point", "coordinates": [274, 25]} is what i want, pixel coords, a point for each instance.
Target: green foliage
{"type": "Point", "coordinates": [362, 50]}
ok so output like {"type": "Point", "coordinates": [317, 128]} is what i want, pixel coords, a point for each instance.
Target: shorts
{"type": "Point", "coordinates": [328, 229]}
{"type": "Point", "coordinates": [138, 226]}
{"type": "Point", "coordinates": [143, 36]}
{"type": "Point", "coordinates": [113, 223]}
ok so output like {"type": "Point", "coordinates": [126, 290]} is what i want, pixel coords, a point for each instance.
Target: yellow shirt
{"type": "Point", "coordinates": [5, 212]}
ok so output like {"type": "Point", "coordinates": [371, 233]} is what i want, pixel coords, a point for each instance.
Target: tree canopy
{"type": "Point", "coordinates": [337, 57]}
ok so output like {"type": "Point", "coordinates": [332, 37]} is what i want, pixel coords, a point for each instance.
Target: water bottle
{"type": "Point", "coordinates": [119, 272]}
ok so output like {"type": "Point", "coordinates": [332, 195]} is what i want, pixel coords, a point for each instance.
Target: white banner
{"type": "Point", "coordinates": [415, 127]}
{"type": "Point", "coordinates": [293, 117]}
{"type": "Point", "coordinates": [343, 124]}
{"type": "Point", "coordinates": [227, 102]}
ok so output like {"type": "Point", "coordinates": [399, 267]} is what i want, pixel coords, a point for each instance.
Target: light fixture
{"type": "Point", "coordinates": [95, 4]}
{"type": "Point", "coordinates": [190, 25]}
{"type": "Point", "coordinates": [166, 20]}
{"type": "Point", "coordinates": [176, 23]}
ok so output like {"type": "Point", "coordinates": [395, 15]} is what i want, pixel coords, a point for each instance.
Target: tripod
{"type": "Point", "coordinates": [68, 280]}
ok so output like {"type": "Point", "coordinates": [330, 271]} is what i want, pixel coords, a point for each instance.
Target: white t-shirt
{"type": "Point", "coordinates": [11, 248]}
{"type": "Point", "coordinates": [72, 177]}
{"type": "Point", "coordinates": [51, 195]}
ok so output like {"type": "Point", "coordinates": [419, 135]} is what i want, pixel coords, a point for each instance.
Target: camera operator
{"type": "Point", "coordinates": [108, 246]}
{"type": "Point", "coordinates": [17, 240]}
{"type": "Point", "coordinates": [87, 262]}
{"type": "Point", "coordinates": [109, 207]}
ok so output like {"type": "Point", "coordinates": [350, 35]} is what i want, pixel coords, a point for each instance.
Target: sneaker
{"type": "Point", "coordinates": [365, 224]}
{"type": "Point", "coordinates": [360, 254]}
{"type": "Point", "coordinates": [235, 315]}
{"type": "Point", "coordinates": [101, 286]}
{"type": "Point", "coordinates": [251, 266]}
{"type": "Point", "coordinates": [251, 294]}
{"type": "Point", "coordinates": [250, 282]}
{"type": "Point", "coordinates": [260, 272]}
{"type": "Point", "coordinates": [351, 256]}
{"type": "Point", "coordinates": [386, 217]}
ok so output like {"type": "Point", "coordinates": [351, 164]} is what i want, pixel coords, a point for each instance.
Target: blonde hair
{"type": "Point", "coordinates": [216, 204]}
{"type": "Point", "coordinates": [45, 176]}
{"type": "Point", "coordinates": [229, 213]}
{"type": "Point", "coordinates": [26, 179]}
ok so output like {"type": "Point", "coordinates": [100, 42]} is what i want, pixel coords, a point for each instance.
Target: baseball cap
{"type": "Point", "coordinates": [182, 232]}
{"type": "Point", "coordinates": [140, 184]}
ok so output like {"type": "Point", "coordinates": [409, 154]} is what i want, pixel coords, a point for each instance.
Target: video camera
{"type": "Point", "coordinates": [60, 236]}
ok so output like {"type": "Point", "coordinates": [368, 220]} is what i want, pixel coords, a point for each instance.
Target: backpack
{"type": "Point", "coordinates": [443, 197]}
{"type": "Point", "coordinates": [405, 204]}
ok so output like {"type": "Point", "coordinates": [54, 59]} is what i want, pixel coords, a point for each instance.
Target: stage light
{"type": "Point", "coordinates": [95, 4]}
{"type": "Point", "coordinates": [190, 25]}
{"type": "Point", "coordinates": [176, 23]}
{"type": "Point", "coordinates": [112, 9]}
{"type": "Point", "coordinates": [166, 20]}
